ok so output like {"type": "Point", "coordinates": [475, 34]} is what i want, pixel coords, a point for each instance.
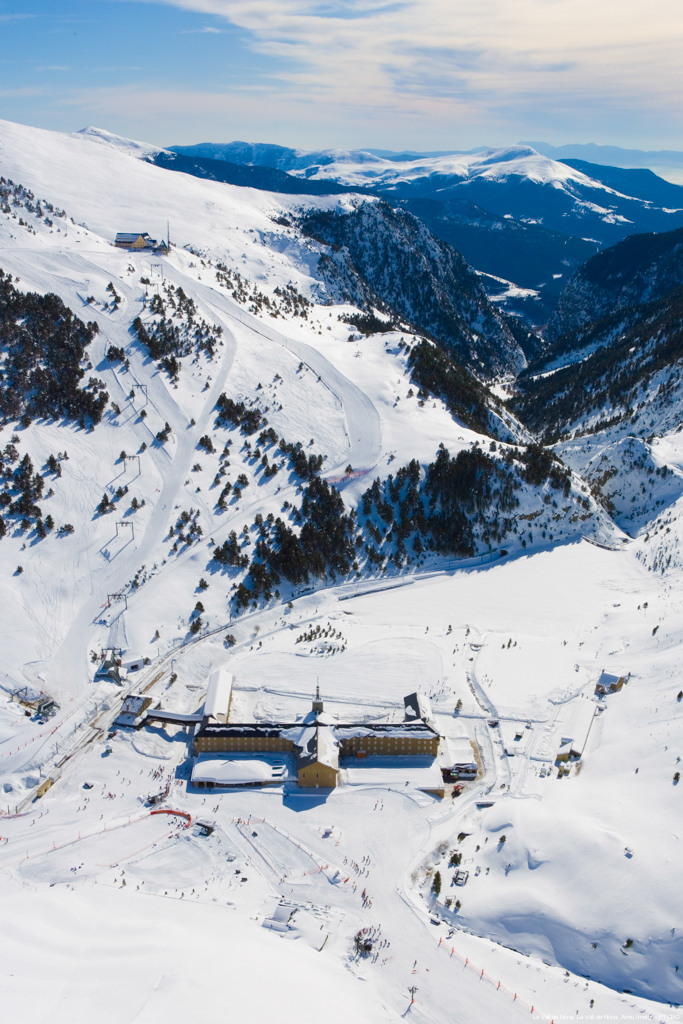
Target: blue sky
{"type": "Point", "coordinates": [395, 74]}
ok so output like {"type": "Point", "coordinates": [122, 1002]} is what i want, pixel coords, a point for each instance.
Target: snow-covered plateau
{"type": "Point", "coordinates": [542, 888]}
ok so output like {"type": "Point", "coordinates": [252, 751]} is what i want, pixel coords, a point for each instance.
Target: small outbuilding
{"type": "Point", "coordinates": [109, 667]}
{"type": "Point", "coordinates": [34, 700]}
{"type": "Point", "coordinates": [134, 710]}
{"type": "Point", "coordinates": [609, 683]}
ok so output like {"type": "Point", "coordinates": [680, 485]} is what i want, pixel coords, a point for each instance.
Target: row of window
{"type": "Point", "coordinates": [368, 744]}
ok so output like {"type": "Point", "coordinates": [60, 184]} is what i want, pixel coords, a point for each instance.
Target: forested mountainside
{"type": "Point", "coordinates": [385, 257]}
{"type": "Point", "coordinates": [537, 259]}
{"type": "Point", "coordinates": [640, 269]}
{"type": "Point", "coordinates": [43, 359]}
{"type": "Point", "coordinates": [611, 379]}
{"type": "Point", "coordinates": [377, 280]}
{"type": "Point", "coordinates": [615, 344]}
{"type": "Point", "coordinates": [631, 374]}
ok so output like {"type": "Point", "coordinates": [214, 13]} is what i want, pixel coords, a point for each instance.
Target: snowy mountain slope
{"type": "Point", "coordinates": [633, 181]}
{"type": "Point", "coordinates": [450, 302]}
{"type": "Point", "coordinates": [624, 470]}
{"type": "Point", "coordinates": [441, 281]}
{"type": "Point", "coordinates": [423, 280]}
{"type": "Point", "coordinates": [349, 425]}
{"type": "Point", "coordinates": [267, 178]}
{"type": "Point", "coordinates": [611, 374]}
{"type": "Point", "coordinates": [627, 373]}
{"type": "Point", "coordinates": [519, 638]}
{"type": "Point", "coordinates": [476, 200]}
{"type": "Point", "coordinates": [359, 168]}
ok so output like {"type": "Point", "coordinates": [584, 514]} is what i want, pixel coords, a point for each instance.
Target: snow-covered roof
{"type": "Point", "coordinates": [293, 730]}
{"type": "Point", "coordinates": [327, 747]}
{"type": "Point", "coordinates": [247, 729]}
{"type": "Point", "coordinates": [29, 695]}
{"type": "Point", "coordinates": [414, 772]}
{"type": "Point", "coordinates": [242, 770]}
{"type": "Point", "coordinates": [515, 737]}
{"type": "Point", "coordinates": [315, 744]}
{"type": "Point", "coordinates": [458, 750]}
{"type": "Point", "coordinates": [608, 681]}
{"type": "Point", "coordinates": [133, 710]}
{"type": "Point", "coordinates": [319, 718]}
{"type": "Point", "coordinates": [134, 703]}
{"type": "Point", "coordinates": [218, 695]}
{"type": "Point", "coordinates": [300, 736]}
{"type": "Point", "coordinates": [575, 724]}
{"type": "Point", "coordinates": [130, 236]}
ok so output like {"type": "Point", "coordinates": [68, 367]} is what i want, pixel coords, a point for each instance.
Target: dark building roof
{"type": "Point", "coordinates": [252, 730]}
{"type": "Point", "coordinates": [417, 706]}
{"type": "Point", "coordinates": [385, 729]}
{"type": "Point", "coordinates": [130, 236]}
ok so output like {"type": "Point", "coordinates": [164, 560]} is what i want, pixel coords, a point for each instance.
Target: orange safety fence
{"type": "Point", "coordinates": [181, 814]}
{"type": "Point", "coordinates": [491, 978]}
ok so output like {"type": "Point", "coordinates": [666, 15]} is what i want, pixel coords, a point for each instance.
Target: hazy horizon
{"type": "Point", "coordinates": [392, 74]}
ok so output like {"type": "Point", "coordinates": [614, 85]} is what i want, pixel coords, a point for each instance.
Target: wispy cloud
{"type": "Point", "coordinates": [208, 30]}
{"type": "Point", "coordinates": [346, 49]}
{"type": "Point", "coordinates": [17, 94]}
{"type": "Point", "coordinates": [53, 67]}
{"type": "Point", "coordinates": [116, 69]}
{"type": "Point", "coordinates": [433, 69]}
{"type": "Point", "coordinates": [15, 17]}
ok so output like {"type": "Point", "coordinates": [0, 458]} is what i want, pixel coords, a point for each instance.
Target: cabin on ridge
{"type": "Point", "coordinates": [133, 240]}
{"type": "Point", "coordinates": [139, 241]}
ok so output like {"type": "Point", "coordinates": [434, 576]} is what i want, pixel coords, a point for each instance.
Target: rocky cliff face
{"type": "Point", "coordinates": [641, 269]}
{"type": "Point", "coordinates": [378, 256]}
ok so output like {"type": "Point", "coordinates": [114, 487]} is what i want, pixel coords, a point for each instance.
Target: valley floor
{"type": "Point", "coordinates": [173, 921]}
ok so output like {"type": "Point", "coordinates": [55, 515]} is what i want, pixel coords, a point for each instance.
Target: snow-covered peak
{"type": "Point", "coordinates": [119, 142]}
{"type": "Point", "coordinates": [362, 168]}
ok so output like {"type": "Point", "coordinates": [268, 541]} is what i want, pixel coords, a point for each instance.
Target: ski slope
{"type": "Point", "coordinates": [98, 891]}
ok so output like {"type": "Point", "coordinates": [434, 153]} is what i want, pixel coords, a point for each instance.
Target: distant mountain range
{"type": "Point", "coordinates": [524, 221]}
{"type": "Point", "coordinates": [654, 159]}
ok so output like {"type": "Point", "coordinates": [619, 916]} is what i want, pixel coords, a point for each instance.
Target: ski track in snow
{"type": "Point", "coordinates": [192, 907]}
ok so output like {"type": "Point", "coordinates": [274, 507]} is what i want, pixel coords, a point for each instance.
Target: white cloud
{"type": "Point", "coordinates": [433, 66]}
{"type": "Point", "coordinates": [379, 50]}
{"type": "Point", "coordinates": [206, 30]}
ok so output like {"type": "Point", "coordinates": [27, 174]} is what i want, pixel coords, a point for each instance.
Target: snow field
{"type": "Point", "coordinates": [392, 836]}
{"type": "Point", "coordinates": [569, 612]}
